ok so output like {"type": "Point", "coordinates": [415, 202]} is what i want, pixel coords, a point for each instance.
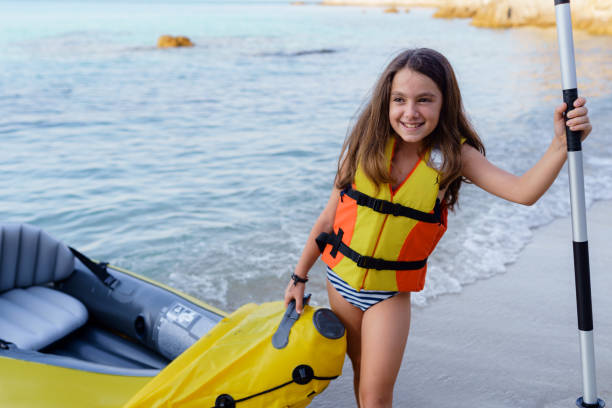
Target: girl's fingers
{"type": "Point", "coordinates": [296, 293]}
{"type": "Point", "coordinates": [580, 111]}
{"type": "Point", "coordinates": [585, 126]}
{"type": "Point", "coordinates": [298, 305]}
{"type": "Point", "coordinates": [579, 102]}
{"type": "Point", "coordinates": [577, 121]}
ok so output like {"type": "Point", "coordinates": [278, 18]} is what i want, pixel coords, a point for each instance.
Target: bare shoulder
{"type": "Point", "coordinates": [468, 151]}
{"type": "Point", "coordinates": [473, 162]}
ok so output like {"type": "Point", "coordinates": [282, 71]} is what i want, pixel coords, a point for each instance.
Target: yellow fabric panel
{"type": "Point", "coordinates": [26, 384]}
{"type": "Point", "coordinates": [380, 280]}
{"type": "Point", "coordinates": [237, 358]}
{"type": "Point", "coordinates": [368, 224]}
{"type": "Point", "coordinates": [350, 273]}
{"type": "Point", "coordinates": [414, 195]}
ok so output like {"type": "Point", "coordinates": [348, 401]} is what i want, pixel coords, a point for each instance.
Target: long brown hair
{"type": "Point", "coordinates": [366, 140]}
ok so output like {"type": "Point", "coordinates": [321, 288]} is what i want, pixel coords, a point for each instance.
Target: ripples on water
{"type": "Point", "coordinates": [206, 167]}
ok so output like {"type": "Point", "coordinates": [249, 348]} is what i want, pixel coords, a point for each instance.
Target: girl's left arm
{"type": "Point", "coordinates": [529, 187]}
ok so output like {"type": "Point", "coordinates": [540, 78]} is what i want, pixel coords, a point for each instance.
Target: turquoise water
{"type": "Point", "coordinates": [206, 167]}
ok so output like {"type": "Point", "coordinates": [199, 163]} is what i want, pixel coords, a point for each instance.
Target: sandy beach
{"type": "Point", "coordinates": [510, 341]}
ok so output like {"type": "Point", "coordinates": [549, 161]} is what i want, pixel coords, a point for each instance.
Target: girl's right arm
{"type": "Point", "coordinates": [310, 253]}
{"type": "Point", "coordinates": [529, 187]}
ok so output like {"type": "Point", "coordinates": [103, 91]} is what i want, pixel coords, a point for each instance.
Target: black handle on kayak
{"type": "Point", "coordinates": [280, 339]}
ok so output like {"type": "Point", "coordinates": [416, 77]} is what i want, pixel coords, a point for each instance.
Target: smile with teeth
{"type": "Point", "coordinates": [411, 125]}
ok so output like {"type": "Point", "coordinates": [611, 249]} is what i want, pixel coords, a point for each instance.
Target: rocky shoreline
{"type": "Point", "coordinates": [593, 16]}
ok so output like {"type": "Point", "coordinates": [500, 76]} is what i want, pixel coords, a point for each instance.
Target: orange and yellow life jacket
{"type": "Point", "coordinates": [382, 237]}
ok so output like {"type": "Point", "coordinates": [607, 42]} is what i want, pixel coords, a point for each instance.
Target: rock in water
{"type": "Point", "coordinates": [168, 41]}
{"type": "Point", "coordinates": [594, 16]}
{"type": "Point", "coordinates": [459, 9]}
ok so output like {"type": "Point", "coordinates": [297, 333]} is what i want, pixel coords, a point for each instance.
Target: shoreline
{"type": "Point", "coordinates": [594, 17]}
{"type": "Point", "coordinates": [510, 341]}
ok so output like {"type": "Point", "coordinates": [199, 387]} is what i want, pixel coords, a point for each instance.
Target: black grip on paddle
{"type": "Point", "coordinates": [583, 285]}
{"type": "Point", "coordinates": [280, 339]}
{"type": "Point", "coordinates": [573, 138]}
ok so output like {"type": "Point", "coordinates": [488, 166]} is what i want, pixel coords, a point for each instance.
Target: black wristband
{"type": "Point", "coordinates": [296, 279]}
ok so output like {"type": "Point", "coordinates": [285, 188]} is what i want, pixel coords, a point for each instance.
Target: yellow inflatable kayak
{"type": "Point", "coordinates": [78, 333]}
{"type": "Point", "coordinates": [257, 374]}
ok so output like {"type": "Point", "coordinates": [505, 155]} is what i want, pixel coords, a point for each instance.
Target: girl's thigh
{"type": "Point", "coordinates": [384, 332]}
{"type": "Point", "coordinates": [351, 317]}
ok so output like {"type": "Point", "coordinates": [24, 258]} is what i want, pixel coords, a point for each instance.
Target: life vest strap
{"type": "Point", "coordinates": [367, 262]}
{"type": "Point", "coordinates": [395, 209]}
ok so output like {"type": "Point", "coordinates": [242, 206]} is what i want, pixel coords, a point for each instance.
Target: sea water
{"type": "Point", "coordinates": [206, 167]}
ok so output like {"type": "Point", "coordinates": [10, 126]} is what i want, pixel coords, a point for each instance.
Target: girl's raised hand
{"type": "Point", "coordinates": [577, 120]}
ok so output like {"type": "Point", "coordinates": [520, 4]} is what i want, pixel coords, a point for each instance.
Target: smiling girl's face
{"type": "Point", "coordinates": [415, 105]}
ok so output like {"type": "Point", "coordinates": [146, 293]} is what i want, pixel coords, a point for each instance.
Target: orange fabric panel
{"type": "Point", "coordinates": [418, 245]}
{"type": "Point", "coordinates": [411, 281]}
{"type": "Point", "coordinates": [346, 215]}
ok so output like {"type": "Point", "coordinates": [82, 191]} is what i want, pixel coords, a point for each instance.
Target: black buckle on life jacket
{"type": "Point", "coordinates": [395, 209]}
{"type": "Point", "coordinates": [336, 242]}
{"type": "Point", "coordinates": [375, 204]}
{"type": "Point", "coordinates": [384, 207]}
{"type": "Point", "coordinates": [333, 239]}
{"type": "Point", "coordinates": [365, 200]}
{"type": "Point", "coordinates": [368, 262]}
{"type": "Point", "coordinates": [361, 261]}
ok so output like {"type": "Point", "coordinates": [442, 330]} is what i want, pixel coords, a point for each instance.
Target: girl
{"type": "Point", "coordinates": [399, 172]}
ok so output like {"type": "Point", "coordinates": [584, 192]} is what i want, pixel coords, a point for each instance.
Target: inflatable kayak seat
{"type": "Point", "coordinates": [34, 316]}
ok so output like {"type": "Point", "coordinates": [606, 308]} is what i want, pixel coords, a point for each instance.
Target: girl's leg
{"type": "Point", "coordinates": [384, 332]}
{"type": "Point", "coordinates": [351, 317]}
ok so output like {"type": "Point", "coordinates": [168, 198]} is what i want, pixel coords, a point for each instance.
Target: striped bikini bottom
{"type": "Point", "coordinates": [363, 299]}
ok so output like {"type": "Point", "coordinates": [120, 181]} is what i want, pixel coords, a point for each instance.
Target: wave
{"type": "Point", "coordinates": [298, 53]}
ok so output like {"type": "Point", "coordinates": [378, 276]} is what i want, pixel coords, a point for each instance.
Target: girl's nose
{"type": "Point", "coordinates": [411, 111]}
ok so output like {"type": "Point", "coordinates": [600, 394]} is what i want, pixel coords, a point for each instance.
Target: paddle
{"type": "Point", "coordinates": [579, 229]}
